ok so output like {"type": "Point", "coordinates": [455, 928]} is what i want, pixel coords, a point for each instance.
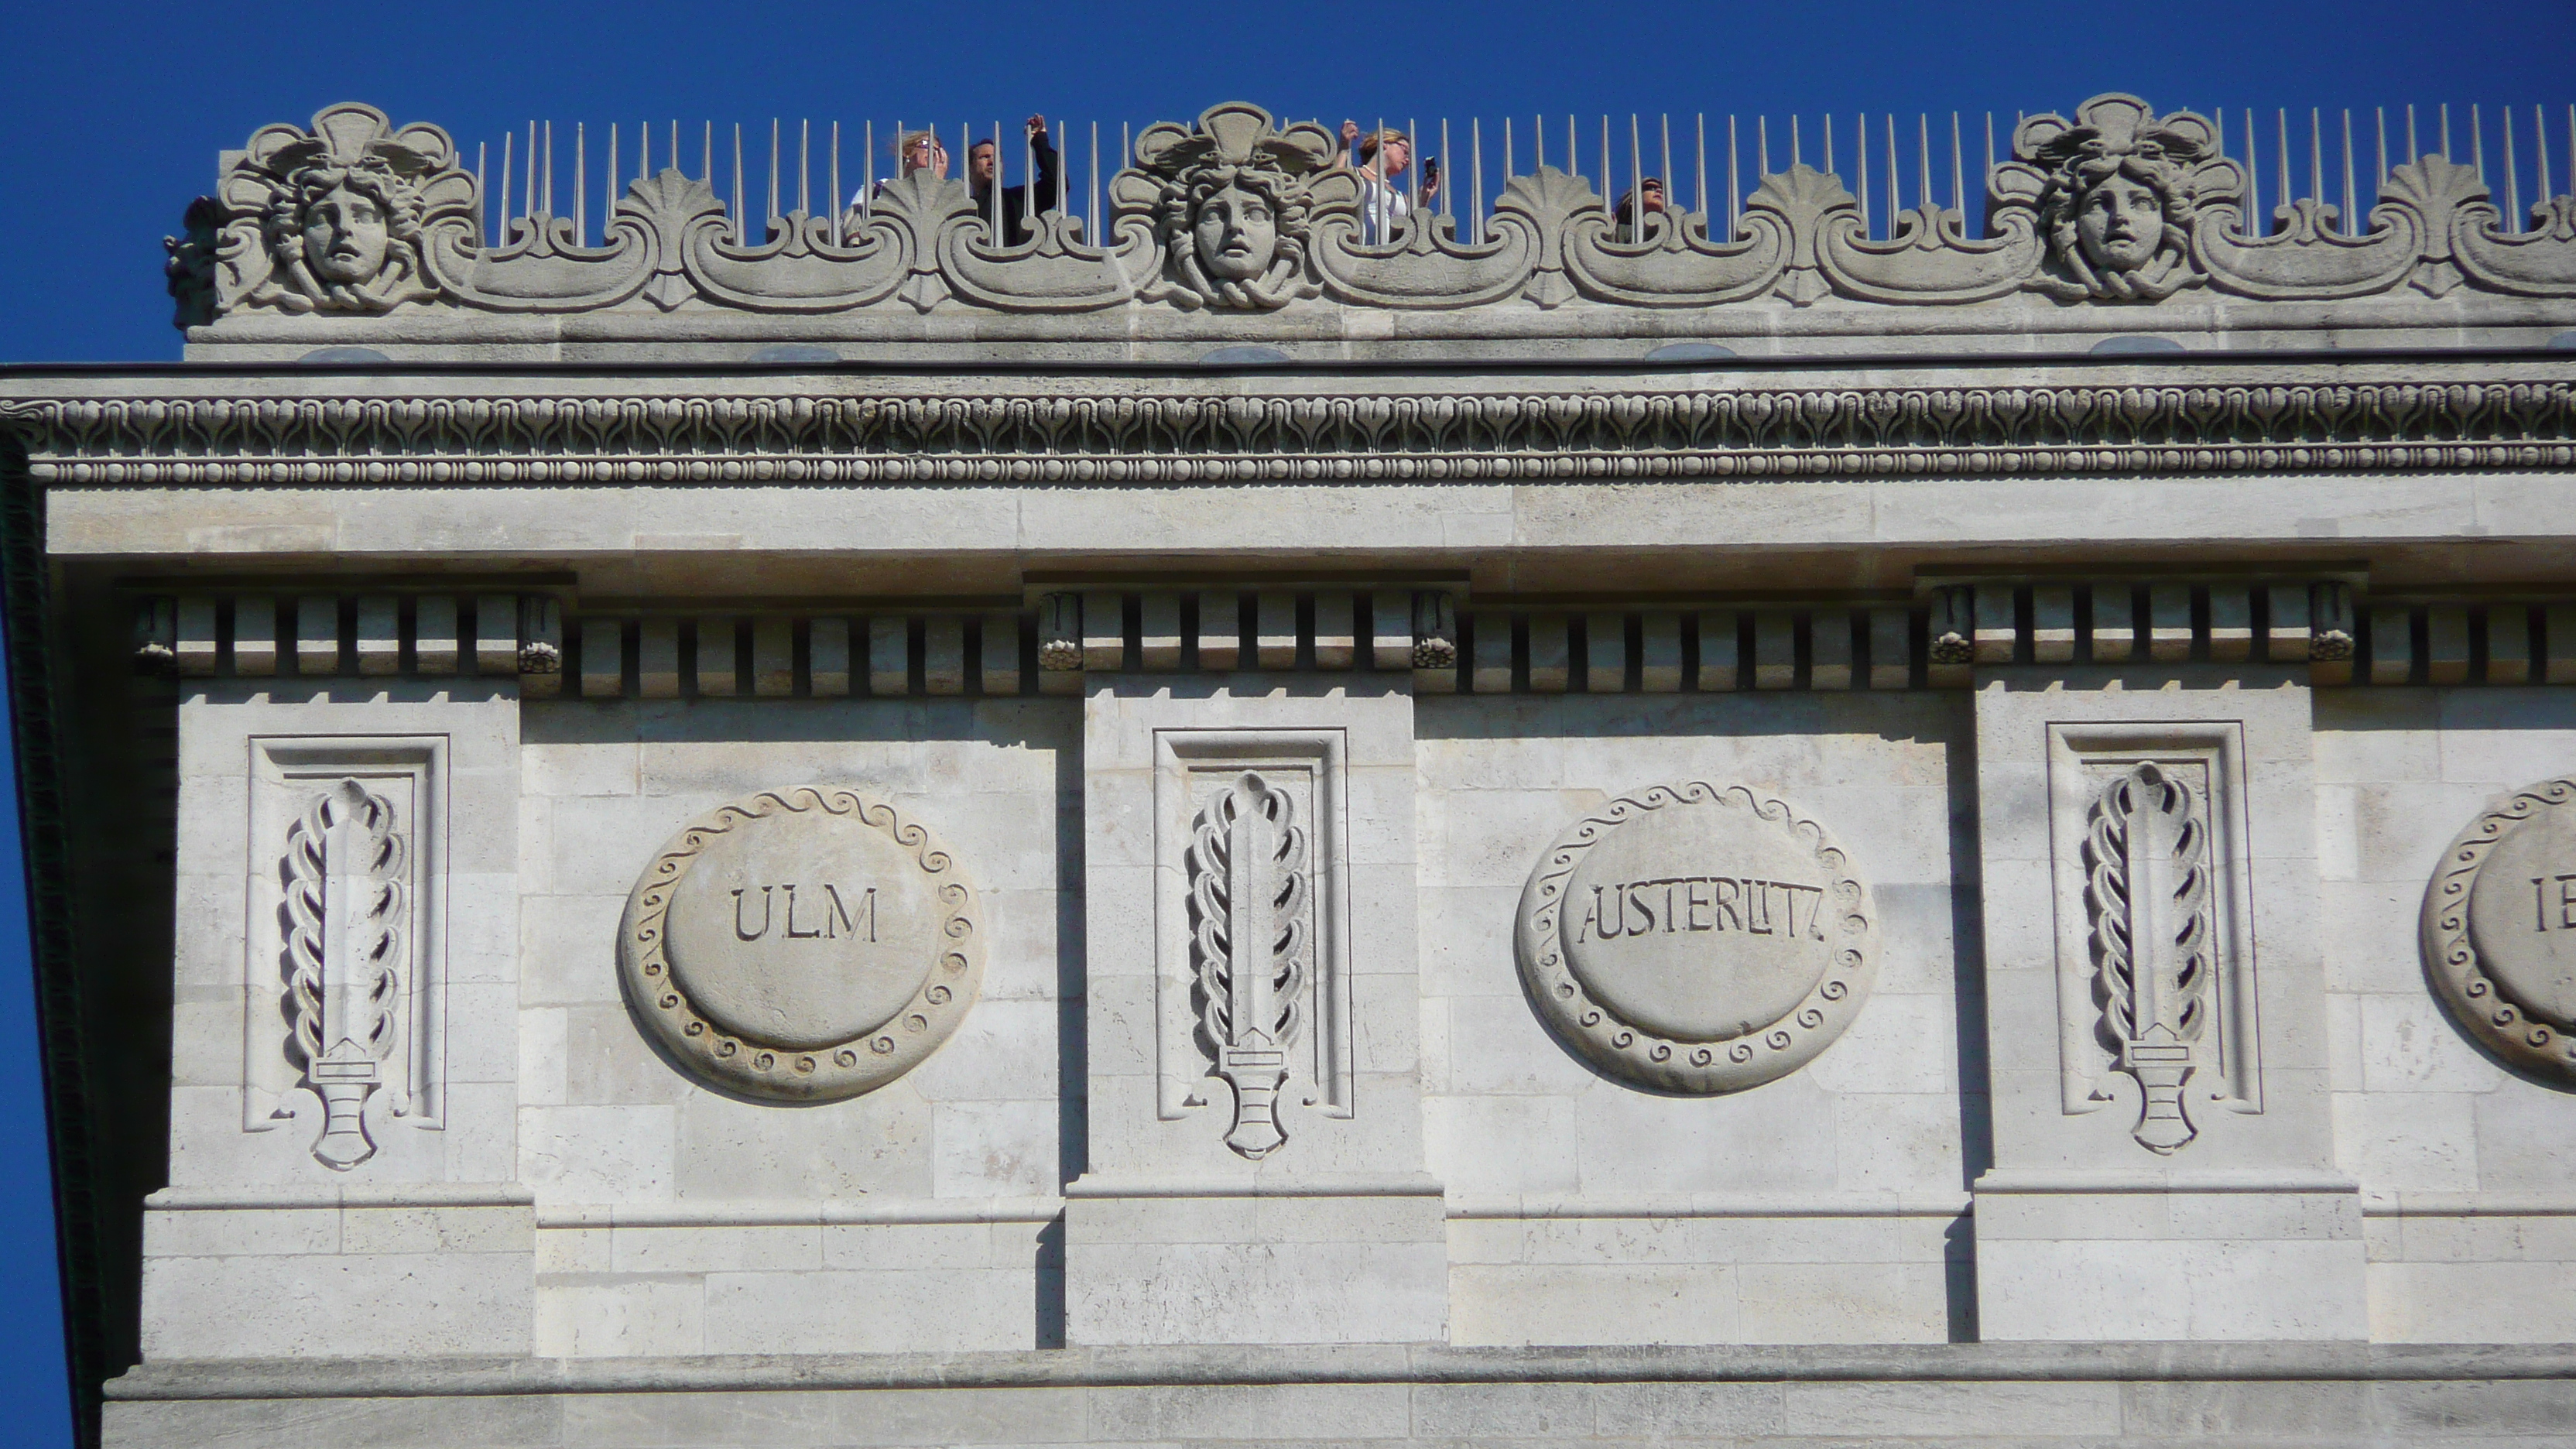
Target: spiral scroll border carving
{"type": "Point", "coordinates": [826, 1074]}
{"type": "Point", "coordinates": [1697, 1069]}
{"type": "Point", "coordinates": [2479, 1003]}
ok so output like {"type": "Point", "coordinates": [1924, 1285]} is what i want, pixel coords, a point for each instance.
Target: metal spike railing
{"type": "Point", "coordinates": [2341, 184]}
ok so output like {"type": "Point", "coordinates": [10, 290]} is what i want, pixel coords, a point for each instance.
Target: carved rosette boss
{"type": "Point", "coordinates": [1697, 939]}
{"type": "Point", "coordinates": [1233, 201]}
{"type": "Point", "coordinates": [2500, 930]}
{"type": "Point", "coordinates": [801, 946]}
{"type": "Point", "coordinates": [2115, 193]}
{"type": "Point", "coordinates": [332, 219]}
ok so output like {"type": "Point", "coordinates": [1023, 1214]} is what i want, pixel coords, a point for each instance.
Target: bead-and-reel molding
{"type": "Point", "coordinates": [804, 945]}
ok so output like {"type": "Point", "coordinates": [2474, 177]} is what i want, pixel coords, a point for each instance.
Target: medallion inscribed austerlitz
{"type": "Point", "coordinates": [2500, 930]}
{"type": "Point", "coordinates": [802, 946]}
{"type": "Point", "coordinates": [1697, 939]}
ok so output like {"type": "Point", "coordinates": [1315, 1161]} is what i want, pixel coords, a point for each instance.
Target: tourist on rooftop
{"type": "Point", "coordinates": [1384, 200]}
{"type": "Point", "coordinates": [1633, 207]}
{"type": "Point", "coordinates": [983, 164]}
{"type": "Point", "coordinates": [914, 151]}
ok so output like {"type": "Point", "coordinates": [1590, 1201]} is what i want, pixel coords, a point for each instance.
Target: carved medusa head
{"type": "Point", "coordinates": [337, 212]}
{"type": "Point", "coordinates": [2116, 191]}
{"type": "Point", "coordinates": [1233, 202]}
{"type": "Point", "coordinates": [331, 230]}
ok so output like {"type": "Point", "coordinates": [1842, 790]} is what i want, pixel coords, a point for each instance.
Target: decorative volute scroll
{"type": "Point", "coordinates": [2147, 888]}
{"type": "Point", "coordinates": [1250, 944]}
{"type": "Point", "coordinates": [336, 219]}
{"type": "Point", "coordinates": [2435, 228]}
{"type": "Point", "coordinates": [1232, 204]}
{"type": "Point", "coordinates": [1674, 262]}
{"type": "Point", "coordinates": [1930, 258]}
{"type": "Point", "coordinates": [2499, 929]}
{"type": "Point", "coordinates": [800, 266]}
{"type": "Point", "coordinates": [2117, 204]}
{"type": "Point", "coordinates": [1696, 939]}
{"type": "Point", "coordinates": [543, 268]}
{"type": "Point", "coordinates": [348, 949]}
{"type": "Point", "coordinates": [2409, 241]}
{"type": "Point", "coordinates": [1057, 269]}
{"type": "Point", "coordinates": [1425, 265]}
{"type": "Point", "coordinates": [2115, 194]}
{"type": "Point", "coordinates": [2536, 263]}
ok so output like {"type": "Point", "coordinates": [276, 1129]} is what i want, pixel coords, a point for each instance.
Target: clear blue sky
{"type": "Point", "coordinates": [113, 115]}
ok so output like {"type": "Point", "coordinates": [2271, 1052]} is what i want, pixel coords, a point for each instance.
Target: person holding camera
{"type": "Point", "coordinates": [1384, 155]}
{"type": "Point", "coordinates": [1019, 209]}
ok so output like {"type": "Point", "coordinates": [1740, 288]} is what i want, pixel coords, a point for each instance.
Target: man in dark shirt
{"type": "Point", "coordinates": [1018, 215]}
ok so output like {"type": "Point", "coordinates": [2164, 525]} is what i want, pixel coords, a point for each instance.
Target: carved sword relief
{"type": "Point", "coordinates": [2147, 889]}
{"type": "Point", "coordinates": [346, 948]}
{"type": "Point", "coordinates": [1249, 941]}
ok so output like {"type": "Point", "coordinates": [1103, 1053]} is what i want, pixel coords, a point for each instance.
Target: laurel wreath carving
{"type": "Point", "coordinates": [2131, 975]}
{"type": "Point", "coordinates": [343, 1068]}
{"type": "Point", "coordinates": [1269, 975]}
{"type": "Point", "coordinates": [1212, 914]}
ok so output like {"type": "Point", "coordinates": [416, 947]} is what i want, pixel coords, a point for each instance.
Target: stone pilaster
{"type": "Point", "coordinates": [1255, 1160]}
{"type": "Point", "coordinates": [2155, 1003]}
{"type": "Point", "coordinates": [344, 1055]}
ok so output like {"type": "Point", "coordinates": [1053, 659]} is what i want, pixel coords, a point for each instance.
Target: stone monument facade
{"type": "Point", "coordinates": [1236, 821]}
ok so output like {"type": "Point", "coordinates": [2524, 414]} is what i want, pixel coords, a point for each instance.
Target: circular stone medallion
{"type": "Point", "coordinates": [2500, 929]}
{"type": "Point", "coordinates": [802, 946]}
{"type": "Point", "coordinates": [1696, 939]}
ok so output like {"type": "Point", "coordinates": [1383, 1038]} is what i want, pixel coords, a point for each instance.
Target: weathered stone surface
{"type": "Point", "coordinates": [887, 960]}
{"type": "Point", "coordinates": [382, 234]}
{"type": "Point", "coordinates": [2498, 916]}
{"type": "Point", "coordinates": [1697, 938]}
{"type": "Point", "coordinates": [1303, 606]}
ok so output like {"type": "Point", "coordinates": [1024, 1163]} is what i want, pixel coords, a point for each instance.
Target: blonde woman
{"type": "Point", "coordinates": [914, 151]}
{"type": "Point", "coordinates": [1384, 156]}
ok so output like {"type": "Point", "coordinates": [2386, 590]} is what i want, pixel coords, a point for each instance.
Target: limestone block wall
{"type": "Point", "coordinates": [1822, 1207]}
{"type": "Point", "coordinates": [521, 1163]}
{"type": "Point", "coordinates": [675, 1219]}
{"type": "Point", "coordinates": [555, 1185]}
{"type": "Point", "coordinates": [2469, 1198]}
{"type": "Point", "coordinates": [256, 1247]}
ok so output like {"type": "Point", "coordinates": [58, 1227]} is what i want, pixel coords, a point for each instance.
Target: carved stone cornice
{"type": "Point", "coordinates": [1047, 439]}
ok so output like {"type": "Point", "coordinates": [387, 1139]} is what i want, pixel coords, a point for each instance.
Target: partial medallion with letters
{"type": "Point", "coordinates": [803, 945]}
{"type": "Point", "coordinates": [1696, 939]}
{"type": "Point", "coordinates": [2500, 930]}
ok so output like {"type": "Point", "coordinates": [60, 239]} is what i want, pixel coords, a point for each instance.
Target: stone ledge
{"type": "Point", "coordinates": [1361, 1364]}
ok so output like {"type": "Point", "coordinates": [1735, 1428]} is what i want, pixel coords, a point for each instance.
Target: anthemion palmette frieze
{"type": "Point", "coordinates": [2116, 205]}
{"type": "Point", "coordinates": [1041, 438]}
